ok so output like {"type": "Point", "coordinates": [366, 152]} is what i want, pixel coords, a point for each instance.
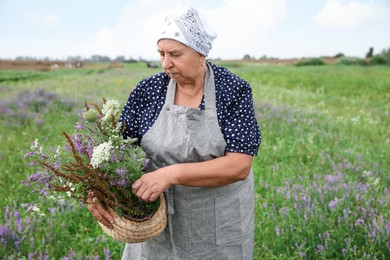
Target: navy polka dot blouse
{"type": "Point", "coordinates": [234, 103]}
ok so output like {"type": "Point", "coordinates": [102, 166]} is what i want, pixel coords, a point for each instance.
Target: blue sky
{"type": "Point", "coordinates": [275, 28]}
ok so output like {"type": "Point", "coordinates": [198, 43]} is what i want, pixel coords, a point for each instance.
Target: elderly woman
{"type": "Point", "coordinates": [196, 123]}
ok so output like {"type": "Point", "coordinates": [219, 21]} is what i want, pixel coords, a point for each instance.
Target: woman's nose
{"type": "Point", "coordinates": [166, 63]}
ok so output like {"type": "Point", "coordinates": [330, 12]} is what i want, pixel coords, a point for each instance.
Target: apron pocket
{"type": "Point", "coordinates": [228, 220]}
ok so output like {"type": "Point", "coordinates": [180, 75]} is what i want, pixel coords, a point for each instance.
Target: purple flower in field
{"type": "Point", "coordinates": [4, 231]}
{"type": "Point", "coordinates": [29, 154]}
{"type": "Point", "coordinates": [52, 211]}
{"type": "Point", "coordinates": [332, 204]}
{"type": "Point", "coordinates": [319, 248]}
{"type": "Point", "coordinates": [284, 211]}
{"type": "Point", "coordinates": [359, 222]}
{"type": "Point", "coordinates": [18, 221]}
{"type": "Point", "coordinates": [333, 179]}
{"type": "Point", "coordinates": [345, 214]}
{"type": "Point", "coordinates": [387, 227]}
{"type": "Point", "coordinates": [344, 251]}
{"type": "Point", "coordinates": [107, 253]}
{"type": "Point", "coordinates": [277, 231]}
{"type": "Point", "coordinates": [71, 255]}
{"type": "Point", "coordinates": [376, 225]}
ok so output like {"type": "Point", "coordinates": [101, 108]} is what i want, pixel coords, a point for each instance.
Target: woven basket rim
{"type": "Point", "coordinates": [130, 231]}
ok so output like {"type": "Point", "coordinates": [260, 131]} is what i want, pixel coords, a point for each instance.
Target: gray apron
{"type": "Point", "coordinates": [203, 223]}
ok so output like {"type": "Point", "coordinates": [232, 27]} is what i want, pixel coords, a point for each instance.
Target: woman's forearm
{"type": "Point", "coordinates": [213, 173]}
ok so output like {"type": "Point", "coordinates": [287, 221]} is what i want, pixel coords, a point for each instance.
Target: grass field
{"type": "Point", "coordinates": [322, 173]}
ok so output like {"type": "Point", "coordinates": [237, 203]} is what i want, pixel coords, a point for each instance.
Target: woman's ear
{"type": "Point", "coordinates": [202, 60]}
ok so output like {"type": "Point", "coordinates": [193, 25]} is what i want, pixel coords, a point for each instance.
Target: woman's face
{"type": "Point", "coordinates": [182, 63]}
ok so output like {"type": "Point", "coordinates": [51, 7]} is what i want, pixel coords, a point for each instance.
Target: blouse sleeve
{"type": "Point", "coordinates": [130, 114]}
{"type": "Point", "coordinates": [240, 129]}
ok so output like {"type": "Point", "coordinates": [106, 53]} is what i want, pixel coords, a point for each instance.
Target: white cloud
{"type": "Point", "coordinates": [352, 14]}
{"type": "Point", "coordinates": [240, 25]}
{"type": "Point", "coordinates": [45, 21]}
{"type": "Point", "coordinates": [135, 30]}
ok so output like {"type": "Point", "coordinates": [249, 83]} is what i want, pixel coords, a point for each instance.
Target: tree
{"type": "Point", "coordinates": [370, 53]}
{"type": "Point", "coordinates": [246, 57]}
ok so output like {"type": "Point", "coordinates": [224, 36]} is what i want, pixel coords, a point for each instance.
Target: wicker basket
{"type": "Point", "coordinates": [130, 231]}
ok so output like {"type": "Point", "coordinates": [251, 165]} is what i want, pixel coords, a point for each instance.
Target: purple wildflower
{"type": "Point", "coordinates": [4, 231]}
{"type": "Point", "coordinates": [332, 204]}
{"type": "Point", "coordinates": [78, 143]}
{"type": "Point", "coordinates": [29, 154]}
{"type": "Point", "coordinates": [107, 253]}
{"type": "Point", "coordinates": [121, 171]}
{"type": "Point", "coordinates": [79, 126]}
{"type": "Point", "coordinates": [345, 214]}
{"type": "Point", "coordinates": [387, 227]}
{"type": "Point", "coordinates": [376, 225]}
{"type": "Point", "coordinates": [18, 221]}
{"type": "Point", "coordinates": [90, 148]}
{"type": "Point", "coordinates": [359, 222]}
{"type": "Point", "coordinates": [319, 248]}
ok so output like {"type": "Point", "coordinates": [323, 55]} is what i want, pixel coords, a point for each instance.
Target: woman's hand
{"type": "Point", "coordinates": [150, 186]}
{"type": "Point", "coordinates": [99, 212]}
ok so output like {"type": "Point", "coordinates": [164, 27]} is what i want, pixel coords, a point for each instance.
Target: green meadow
{"type": "Point", "coordinates": [322, 175]}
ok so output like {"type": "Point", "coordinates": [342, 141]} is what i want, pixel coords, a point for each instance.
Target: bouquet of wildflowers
{"type": "Point", "coordinates": [95, 160]}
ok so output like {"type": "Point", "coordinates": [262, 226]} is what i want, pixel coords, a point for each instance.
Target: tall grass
{"type": "Point", "coordinates": [322, 173]}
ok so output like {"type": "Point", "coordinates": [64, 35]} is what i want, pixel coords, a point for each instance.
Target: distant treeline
{"type": "Point", "coordinates": [93, 58]}
{"type": "Point", "coordinates": [382, 58]}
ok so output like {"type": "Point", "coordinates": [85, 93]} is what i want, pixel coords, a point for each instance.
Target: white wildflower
{"type": "Point", "coordinates": [35, 146]}
{"type": "Point", "coordinates": [111, 110]}
{"type": "Point", "coordinates": [38, 211]}
{"type": "Point", "coordinates": [72, 189]}
{"type": "Point", "coordinates": [101, 153]}
{"type": "Point", "coordinates": [57, 152]}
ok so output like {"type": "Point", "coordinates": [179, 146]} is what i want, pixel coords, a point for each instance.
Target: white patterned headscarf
{"type": "Point", "coordinates": [192, 29]}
